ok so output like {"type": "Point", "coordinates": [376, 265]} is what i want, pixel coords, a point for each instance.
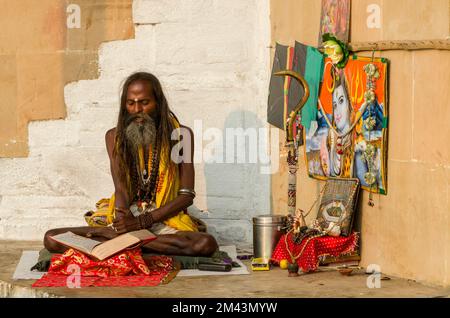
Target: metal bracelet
{"type": "Point", "coordinates": [187, 191]}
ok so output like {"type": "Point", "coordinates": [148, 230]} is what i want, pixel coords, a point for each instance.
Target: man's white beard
{"type": "Point", "coordinates": [141, 134]}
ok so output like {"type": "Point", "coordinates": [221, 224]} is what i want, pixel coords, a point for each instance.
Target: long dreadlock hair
{"type": "Point", "coordinates": [164, 126]}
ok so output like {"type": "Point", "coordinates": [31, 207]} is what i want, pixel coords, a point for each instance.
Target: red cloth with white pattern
{"type": "Point", "coordinates": [58, 280]}
{"type": "Point", "coordinates": [127, 262]}
{"type": "Point", "coordinates": [315, 248]}
{"type": "Point", "coordinates": [124, 269]}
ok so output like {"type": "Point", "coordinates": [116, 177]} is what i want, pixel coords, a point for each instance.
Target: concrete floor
{"type": "Point", "coordinates": [273, 283]}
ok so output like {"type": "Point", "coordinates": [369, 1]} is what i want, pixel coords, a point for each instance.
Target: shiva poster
{"type": "Point", "coordinates": [348, 135]}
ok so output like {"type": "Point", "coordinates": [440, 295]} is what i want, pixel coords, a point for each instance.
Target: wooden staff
{"type": "Point", "coordinates": [292, 158]}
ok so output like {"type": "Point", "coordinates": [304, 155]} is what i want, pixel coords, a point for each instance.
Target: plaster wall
{"type": "Point", "coordinates": [42, 48]}
{"type": "Point", "coordinates": [212, 58]}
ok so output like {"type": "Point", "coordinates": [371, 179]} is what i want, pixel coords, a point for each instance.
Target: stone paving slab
{"type": "Point", "coordinates": [271, 284]}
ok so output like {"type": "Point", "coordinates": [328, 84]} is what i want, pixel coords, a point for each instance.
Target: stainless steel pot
{"type": "Point", "coordinates": [266, 233]}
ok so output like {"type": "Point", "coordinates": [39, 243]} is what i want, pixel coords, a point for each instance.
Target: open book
{"type": "Point", "coordinates": [103, 250]}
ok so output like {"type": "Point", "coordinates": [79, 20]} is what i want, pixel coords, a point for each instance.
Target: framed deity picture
{"type": "Point", "coordinates": [338, 204]}
{"type": "Point", "coordinates": [335, 19]}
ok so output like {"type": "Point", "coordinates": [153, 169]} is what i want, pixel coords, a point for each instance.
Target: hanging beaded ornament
{"type": "Point", "coordinates": [369, 123]}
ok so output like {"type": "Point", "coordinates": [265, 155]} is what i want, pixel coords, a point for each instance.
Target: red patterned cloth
{"type": "Point", "coordinates": [57, 280]}
{"type": "Point", "coordinates": [315, 248]}
{"type": "Point", "coordinates": [129, 262]}
{"type": "Point", "coordinates": [125, 269]}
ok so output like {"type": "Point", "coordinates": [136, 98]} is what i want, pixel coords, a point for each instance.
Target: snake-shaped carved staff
{"type": "Point", "coordinates": [292, 159]}
{"type": "Point", "coordinates": [291, 119]}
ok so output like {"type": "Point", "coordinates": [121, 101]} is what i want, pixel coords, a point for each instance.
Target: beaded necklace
{"type": "Point", "coordinates": [295, 257]}
{"type": "Point", "coordinates": [147, 175]}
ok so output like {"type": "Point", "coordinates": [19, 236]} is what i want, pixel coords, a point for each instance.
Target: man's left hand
{"type": "Point", "coordinates": [126, 223]}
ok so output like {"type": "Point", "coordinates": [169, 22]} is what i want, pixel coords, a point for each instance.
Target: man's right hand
{"type": "Point", "coordinates": [105, 232]}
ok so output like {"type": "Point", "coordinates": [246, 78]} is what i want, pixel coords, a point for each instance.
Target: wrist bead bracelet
{"type": "Point", "coordinates": [149, 219]}
{"type": "Point", "coordinates": [145, 220]}
{"type": "Point", "coordinates": [141, 224]}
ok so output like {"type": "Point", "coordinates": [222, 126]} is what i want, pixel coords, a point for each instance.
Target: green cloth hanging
{"type": "Point", "coordinates": [313, 76]}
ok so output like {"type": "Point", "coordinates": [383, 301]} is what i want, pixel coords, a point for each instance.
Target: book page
{"type": "Point", "coordinates": [120, 243]}
{"type": "Point", "coordinates": [75, 241]}
{"type": "Point", "coordinates": [143, 235]}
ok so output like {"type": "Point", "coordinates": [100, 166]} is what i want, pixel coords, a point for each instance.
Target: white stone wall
{"type": "Point", "coordinates": [212, 57]}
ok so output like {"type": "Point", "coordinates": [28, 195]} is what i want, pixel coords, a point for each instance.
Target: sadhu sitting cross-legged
{"type": "Point", "coordinates": [154, 185]}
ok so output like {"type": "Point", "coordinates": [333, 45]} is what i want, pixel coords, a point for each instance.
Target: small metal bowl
{"type": "Point", "coordinates": [346, 270]}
